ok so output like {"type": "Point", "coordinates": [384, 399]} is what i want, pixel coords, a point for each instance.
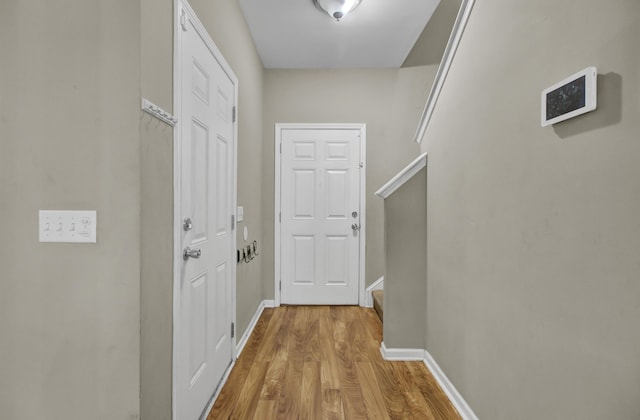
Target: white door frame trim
{"type": "Point", "coordinates": [179, 7]}
{"type": "Point", "coordinates": [363, 196]}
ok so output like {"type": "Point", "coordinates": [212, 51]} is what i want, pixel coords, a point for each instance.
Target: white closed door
{"type": "Point", "coordinates": [320, 216]}
{"type": "Point", "coordinates": [205, 291]}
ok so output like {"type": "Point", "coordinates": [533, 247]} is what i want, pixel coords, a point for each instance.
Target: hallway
{"type": "Point", "coordinates": [321, 362]}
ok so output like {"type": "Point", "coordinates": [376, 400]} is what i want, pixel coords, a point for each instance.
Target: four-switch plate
{"type": "Point", "coordinates": [68, 226]}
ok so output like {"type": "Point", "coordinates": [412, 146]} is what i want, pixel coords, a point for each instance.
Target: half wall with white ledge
{"type": "Point", "coordinates": [405, 284]}
{"type": "Point", "coordinates": [405, 292]}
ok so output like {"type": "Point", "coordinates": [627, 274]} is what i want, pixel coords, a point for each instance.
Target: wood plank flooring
{"type": "Point", "coordinates": [321, 362]}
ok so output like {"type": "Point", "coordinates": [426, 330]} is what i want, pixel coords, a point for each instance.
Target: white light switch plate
{"type": "Point", "coordinates": [240, 214]}
{"type": "Point", "coordinates": [68, 226]}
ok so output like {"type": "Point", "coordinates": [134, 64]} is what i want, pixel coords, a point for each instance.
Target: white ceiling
{"type": "Point", "coordinates": [295, 34]}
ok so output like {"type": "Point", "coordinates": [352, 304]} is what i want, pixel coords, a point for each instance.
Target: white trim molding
{"type": "Point", "coordinates": [420, 354]}
{"type": "Point", "coordinates": [402, 177]}
{"type": "Point", "coordinates": [252, 325]}
{"type": "Point", "coordinates": [269, 303]}
{"type": "Point", "coordinates": [401, 354]}
{"type": "Point", "coordinates": [445, 64]}
{"type": "Point", "coordinates": [454, 396]}
{"type": "Point", "coordinates": [368, 296]}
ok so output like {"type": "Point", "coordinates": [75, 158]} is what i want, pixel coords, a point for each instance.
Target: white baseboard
{"type": "Point", "coordinates": [376, 285]}
{"type": "Point", "coordinates": [454, 396]}
{"type": "Point", "coordinates": [420, 354]}
{"type": "Point", "coordinates": [254, 320]}
{"type": "Point", "coordinates": [239, 347]}
{"type": "Point", "coordinates": [269, 303]}
{"type": "Point", "coordinates": [401, 354]}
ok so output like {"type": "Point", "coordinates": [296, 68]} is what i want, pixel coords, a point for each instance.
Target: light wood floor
{"type": "Point", "coordinates": [324, 362]}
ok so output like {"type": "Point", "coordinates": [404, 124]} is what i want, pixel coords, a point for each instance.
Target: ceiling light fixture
{"type": "Point", "coordinates": [337, 9]}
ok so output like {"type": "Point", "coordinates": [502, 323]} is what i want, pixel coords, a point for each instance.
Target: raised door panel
{"type": "Point", "coordinates": [222, 193]}
{"type": "Point", "coordinates": [304, 193]}
{"type": "Point", "coordinates": [304, 259]}
{"type": "Point", "coordinates": [199, 179]}
{"type": "Point", "coordinates": [221, 285]}
{"type": "Point", "coordinates": [337, 260]}
{"type": "Point", "coordinates": [200, 82]}
{"type": "Point", "coordinates": [198, 327]}
{"type": "Point", "coordinates": [336, 194]}
{"type": "Point", "coordinates": [337, 151]}
{"type": "Point", "coordinates": [304, 150]}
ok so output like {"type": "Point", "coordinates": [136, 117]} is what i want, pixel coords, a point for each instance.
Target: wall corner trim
{"type": "Point", "coordinates": [445, 64]}
{"type": "Point", "coordinates": [402, 177]}
{"type": "Point", "coordinates": [420, 354]}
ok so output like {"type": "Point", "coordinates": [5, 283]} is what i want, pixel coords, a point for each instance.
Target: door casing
{"type": "Point", "coordinates": [279, 127]}
{"type": "Point", "coordinates": [179, 7]}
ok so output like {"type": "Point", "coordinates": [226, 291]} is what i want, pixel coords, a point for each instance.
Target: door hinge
{"type": "Point", "coordinates": [280, 217]}
{"type": "Point", "coordinates": [233, 114]}
{"type": "Point", "coordinates": [183, 21]}
{"type": "Point", "coordinates": [233, 221]}
{"type": "Point", "coordinates": [281, 285]}
{"type": "Point", "coordinates": [233, 329]}
{"type": "Point", "coordinates": [280, 147]}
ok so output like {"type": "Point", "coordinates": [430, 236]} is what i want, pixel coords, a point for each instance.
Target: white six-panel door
{"type": "Point", "coordinates": [320, 216]}
{"type": "Point", "coordinates": [206, 142]}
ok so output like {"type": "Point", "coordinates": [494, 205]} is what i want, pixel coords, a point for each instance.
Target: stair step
{"type": "Point", "coordinates": [377, 303]}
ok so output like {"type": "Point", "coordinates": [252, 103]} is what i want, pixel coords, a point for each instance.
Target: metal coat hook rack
{"type": "Point", "coordinates": [248, 253]}
{"type": "Point", "coordinates": [159, 113]}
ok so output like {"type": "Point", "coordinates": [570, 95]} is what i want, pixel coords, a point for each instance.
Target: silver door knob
{"type": "Point", "coordinates": [355, 227]}
{"type": "Point", "coordinates": [191, 253]}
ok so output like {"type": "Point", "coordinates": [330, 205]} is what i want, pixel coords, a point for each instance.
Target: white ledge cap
{"type": "Point", "coordinates": [402, 177]}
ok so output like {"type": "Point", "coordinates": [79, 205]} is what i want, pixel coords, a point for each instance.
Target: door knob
{"type": "Point", "coordinates": [355, 227]}
{"type": "Point", "coordinates": [191, 253]}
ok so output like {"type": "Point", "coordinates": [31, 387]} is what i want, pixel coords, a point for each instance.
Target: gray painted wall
{"type": "Point", "coordinates": [389, 101]}
{"type": "Point", "coordinates": [69, 124]}
{"type": "Point", "coordinates": [431, 43]}
{"type": "Point", "coordinates": [86, 329]}
{"type": "Point", "coordinates": [156, 277]}
{"type": "Point", "coordinates": [405, 289]}
{"type": "Point", "coordinates": [533, 233]}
